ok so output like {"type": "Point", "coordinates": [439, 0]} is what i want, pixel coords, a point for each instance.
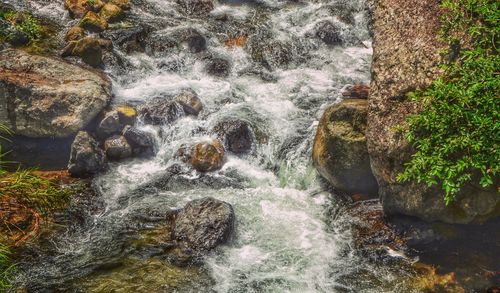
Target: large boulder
{"type": "Point", "coordinates": [86, 157]}
{"type": "Point", "coordinates": [406, 57]}
{"type": "Point", "coordinates": [340, 153]}
{"type": "Point", "coordinates": [203, 224]}
{"type": "Point", "coordinates": [328, 32]}
{"type": "Point", "coordinates": [47, 97]}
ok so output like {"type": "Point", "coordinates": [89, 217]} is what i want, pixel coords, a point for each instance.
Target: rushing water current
{"type": "Point", "coordinates": [286, 238]}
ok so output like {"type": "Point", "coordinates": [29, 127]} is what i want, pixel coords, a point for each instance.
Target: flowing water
{"type": "Point", "coordinates": [288, 236]}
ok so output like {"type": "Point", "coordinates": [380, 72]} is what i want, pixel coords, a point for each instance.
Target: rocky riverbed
{"type": "Point", "coordinates": [228, 146]}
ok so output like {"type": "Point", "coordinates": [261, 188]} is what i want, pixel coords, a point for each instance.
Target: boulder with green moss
{"type": "Point", "coordinates": [111, 12]}
{"type": "Point", "coordinates": [340, 153]}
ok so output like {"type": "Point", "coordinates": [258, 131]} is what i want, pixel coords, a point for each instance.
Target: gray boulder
{"type": "Point", "coordinates": [142, 143]}
{"type": "Point", "coordinates": [203, 224]}
{"type": "Point", "coordinates": [86, 158]}
{"type": "Point", "coordinates": [48, 97]}
{"type": "Point", "coordinates": [237, 135]}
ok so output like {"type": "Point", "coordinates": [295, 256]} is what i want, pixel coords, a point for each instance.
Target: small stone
{"type": "Point", "coordinates": [142, 143]}
{"type": "Point", "coordinates": [208, 156]}
{"type": "Point", "coordinates": [190, 102]}
{"type": "Point", "coordinates": [74, 34]}
{"type": "Point", "coordinates": [357, 91]}
{"type": "Point", "coordinates": [328, 32]}
{"type": "Point", "coordinates": [86, 157]}
{"type": "Point", "coordinates": [117, 148]}
{"type": "Point", "coordinates": [196, 43]}
{"type": "Point", "coordinates": [93, 22]}
{"type": "Point", "coordinates": [109, 125]}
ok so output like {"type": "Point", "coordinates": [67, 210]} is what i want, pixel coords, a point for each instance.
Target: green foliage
{"type": "Point", "coordinates": [456, 135]}
{"type": "Point", "coordinates": [6, 268]}
{"type": "Point", "coordinates": [21, 21]}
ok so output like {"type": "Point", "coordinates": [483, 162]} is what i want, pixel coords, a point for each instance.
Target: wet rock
{"type": "Point", "coordinates": [142, 143]}
{"type": "Point", "coordinates": [74, 34]}
{"type": "Point", "coordinates": [196, 43]}
{"type": "Point", "coordinates": [340, 153]}
{"type": "Point", "coordinates": [203, 224]}
{"type": "Point", "coordinates": [328, 32]}
{"type": "Point", "coordinates": [47, 97]}
{"type": "Point", "coordinates": [117, 148]}
{"type": "Point", "coordinates": [219, 67]}
{"type": "Point", "coordinates": [207, 156]}
{"type": "Point", "coordinates": [88, 49]}
{"type": "Point", "coordinates": [86, 157]}
{"type": "Point", "coordinates": [237, 135]}
{"type": "Point", "coordinates": [109, 125]}
{"type": "Point", "coordinates": [111, 12]}
{"type": "Point", "coordinates": [196, 7]}
{"type": "Point", "coordinates": [127, 114]}
{"type": "Point", "coordinates": [78, 8]}
{"type": "Point", "coordinates": [357, 91]}
{"type": "Point", "coordinates": [190, 102]}
{"type": "Point", "coordinates": [93, 22]}
{"type": "Point", "coordinates": [161, 111]}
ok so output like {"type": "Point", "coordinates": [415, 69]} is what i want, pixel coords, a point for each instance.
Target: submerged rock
{"type": "Point", "coordinates": [340, 153]}
{"type": "Point", "coordinates": [190, 102]}
{"type": "Point", "coordinates": [196, 7]}
{"type": "Point", "coordinates": [328, 32]}
{"type": "Point", "coordinates": [86, 157]}
{"type": "Point", "coordinates": [117, 148]}
{"type": "Point", "coordinates": [219, 67]}
{"type": "Point", "coordinates": [161, 111]}
{"type": "Point", "coordinates": [203, 224]}
{"type": "Point", "coordinates": [237, 135]}
{"type": "Point", "coordinates": [207, 156]}
{"type": "Point", "coordinates": [47, 97]}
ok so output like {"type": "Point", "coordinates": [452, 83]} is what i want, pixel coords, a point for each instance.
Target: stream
{"type": "Point", "coordinates": [290, 234]}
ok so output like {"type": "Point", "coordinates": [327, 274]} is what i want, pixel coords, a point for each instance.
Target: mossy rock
{"type": "Point", "coordinates": [111, 13]}
{"type": "Point", "coordinates": [93, 22]}
{"type": "Point", "coordinates": [74, 34]}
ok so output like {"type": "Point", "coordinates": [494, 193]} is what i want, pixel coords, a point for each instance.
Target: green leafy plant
{"type": "Point", "coordinates": [456, 135]}
{"type": "Point", "coordinates": [23, 22]}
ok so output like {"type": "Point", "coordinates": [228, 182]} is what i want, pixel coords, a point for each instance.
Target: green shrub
{"type": "Point", "coordinates": [456, 135]}
{"type": "Point", "coordinates": [24, 22]}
